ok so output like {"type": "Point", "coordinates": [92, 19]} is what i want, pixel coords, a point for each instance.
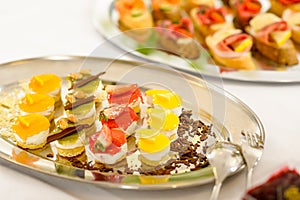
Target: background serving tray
{"type": "Point", "coordinates": [105, 20]}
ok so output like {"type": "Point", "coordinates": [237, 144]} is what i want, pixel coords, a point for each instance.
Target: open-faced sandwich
{"type": "Point", "coordinates": [231, 48]}
{"type": "Point", "coordinates": [166, 9]}
{"type": "Point", "coordinates": [190, 4]}
{"type": "Point", "coordinates": [134, 16]}
{"type": "Point", "coordinates": [272, 38]}
{"type": "Point", "coordinates": [293, 20]}
{"type": "Point", "coordinates": [245, 10]}
{"type": "Point", "coordinates": [178, 39]}
{"type": "Point", "coordinates": [278, 6]}
{"type": "Point", "coordinates": [208, 20]}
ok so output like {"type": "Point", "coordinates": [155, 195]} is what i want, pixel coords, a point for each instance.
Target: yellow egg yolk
{"type": "Point", "coordinates": [154, 144]}
{"type": "Point", "coordinates": [29, 125]}
{"type": "Point", "coordinates": [36, 103]}
{"type": "Point", "coordinates": [162, 120]}
{"type": "Point", "coordinates": [45, 83]}
{"type": "Point", "coordinates": [164, 98]}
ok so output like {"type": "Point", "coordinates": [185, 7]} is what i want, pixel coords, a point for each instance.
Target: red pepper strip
{"type": "Point", "coordinates": [209, 16]}
{"type": "Point", "coordinates": [264, 33]}
{"type": "Point", "coordinates": [122, 119]}
{"type": "Point", "coordinates": [225, 44]}
{"type": "Point", "coordinates": [289, 2]}
{"type": "Point", "coordinates": [247, 9]}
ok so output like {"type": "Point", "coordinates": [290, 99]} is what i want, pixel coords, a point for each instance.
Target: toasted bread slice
{"type": "Point", "coordinates": [286, 54]}
{"type": "Point", "coordinates": [296, 34]}
{"type": "Point", "coordinates": [244, 62]}
{"type": "Point", "coordinates": [183, 47]}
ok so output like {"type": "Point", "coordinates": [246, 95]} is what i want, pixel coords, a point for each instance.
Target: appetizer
{"type": "Point", "coordinates": [38, 103]}
{"type": "Point", "coordinates": [231, 48]}
{"type": "Point", "coordinates": [272, 38]}
{"type": "Point", "coordinates": [278, 6]}
{"type": "Point", "coordinates": [190, 4]}
{"type": "Point", "coordinates": [134, 18]}
{"type": "Point", "coordinates": [31, 131]}
{"type": "Point", "coordinates": [178, 39]}
{"type": "Point", "coordinates": [108, 146]}
{"type": "Point", "coordinates": [166, 9]}
{"type": "Point", "coordinates": [72, 144]}
{"type": "Point", "coordinates": [293, 20]}
{"type": "Point", "coordinates": [47, 84]}
{"type": "Point", "coordinates": [245, 10]}
{"type": "Point", "coordinates": [208, 20]}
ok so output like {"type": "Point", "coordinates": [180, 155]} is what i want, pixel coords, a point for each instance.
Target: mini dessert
{"type": "Point", "coordinates": [245, 10]}
{"type": "Point", "coordinates": [272, 38]}
{"type": "Point", "coordinates": [178, 39]}
{"type": "Point", "coordinates": [31, 131]}
{"type": "Point", "coordinates": [48, 84]}
{"type": "Point", "coordinates": [154, 148]}
{"type": "Point", "coordinates": [190, 4]}
{"type": "Point", "coordinates": [72, 144]}
{"type": "Point", "coordinates": [165, 99]}
{"type": "Point", "coordinates": [38, 103]}
{"type": "Point", "coordinates": [83, 85]}
{"type": "Point", "coordinates": [293, 20]}
{"type": "Point", "coordinates": [278, 6]}
{"type": "Point", "coordinates": [81, 111]}
{"type": "Point", "coordinates": [108, 146]}
{"type": "Point", "coordinates": [231, 48]}
{"type": "Point", "coordinates": [165, 121]}
{"type": "Point", "coordinates": [124, 95]}
{"type": "Point", "coordinates": [166, 9]}
{"type": "Point", "coordinates": [120, 117]}
{"type": "Point", "coordinates": [284, 184]}
{"type": "Point", "coordinates": [208, 20]}
{"type": "Point", "coordinates": [134, 18]}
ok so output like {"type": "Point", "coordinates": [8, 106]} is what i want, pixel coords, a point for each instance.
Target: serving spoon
{"type": "Point", "coordinates": [225, 159]}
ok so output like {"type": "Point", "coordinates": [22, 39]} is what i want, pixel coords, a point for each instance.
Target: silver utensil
{"type": "Point", "coordinates": [252, 149]}
{"type": "Point", "coordinates": [225, 159]}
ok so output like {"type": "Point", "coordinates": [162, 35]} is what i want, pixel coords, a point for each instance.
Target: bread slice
{"type": "Point", "coordinates": [285, 54]}
{"type": "Point", "coordinates": [244, 62]}
{"type": "Point", "coordinates": [296, 34]}
{"type": "Point", "coordinates": [183, 47]}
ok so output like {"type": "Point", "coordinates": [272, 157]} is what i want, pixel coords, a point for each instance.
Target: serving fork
{"type": "Point", "coordinates": [252, 148]}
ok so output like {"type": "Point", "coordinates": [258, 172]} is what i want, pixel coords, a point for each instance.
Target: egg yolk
{"type": "Point", "coordinates": [45, 83]}
{"type": "Point", "coordinates": [36, 103]}
{"type": "Point", "coordinates": [29, 125]}
{"type": "Point", "coordinates": [154, 144]}
{"type": "Point", "coordinates": [164, 98]}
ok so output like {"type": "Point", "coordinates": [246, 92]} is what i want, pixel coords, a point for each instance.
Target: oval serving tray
{"type": "Point", "coordinates": [210, 101]}
{"type": "Point", "coordinates": [105, 20]}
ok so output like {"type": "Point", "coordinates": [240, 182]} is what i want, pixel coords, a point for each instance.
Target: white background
{"type": "Point", "coordinates": [32, 28]}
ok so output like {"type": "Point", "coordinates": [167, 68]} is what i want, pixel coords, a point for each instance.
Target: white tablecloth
{"type": "Point", "coordinates": [33, 28]}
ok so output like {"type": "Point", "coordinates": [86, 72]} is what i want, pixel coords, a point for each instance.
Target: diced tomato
{"type": "Point", "coordinates": [122, 119]}
{"type": "Point", "coordinates": [253, 6]}
{"type": "Point", "coordinates": [102, 138]}
{"type": "Point", "coordinates": [123, 94]}
{"type": "Point", "coordinates": [118, 137]}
